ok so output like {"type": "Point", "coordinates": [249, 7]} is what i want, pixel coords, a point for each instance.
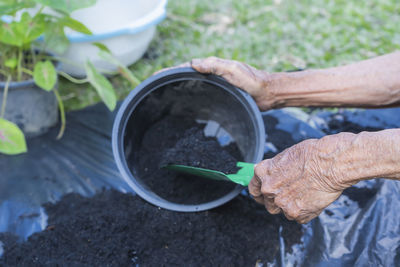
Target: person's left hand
{"type": "Point", "coordinates": [258, 83]}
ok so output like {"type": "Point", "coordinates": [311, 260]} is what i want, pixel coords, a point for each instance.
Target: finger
{"type": "Point", "coordinates": [211, 65]}
{"type": "Point", "coordinates": [234, 72]}
{"type": "Point", "coordinates": [270, 206]}
{"type": "Point", "coordinates": [259, 200]}
{"type": "Point", "coordinates": [304, 220]}
{"type": "Point", "coordinates": [183, 65]}
{"type": "Point", "coordinates": [290, 218]}
{"type": "Point", "coordinates": [255, 186]}
{"type": "Point", "coordinates": [284, 204]}
{"type": "Point", "coordinates": [230, 70]}
{"type": "Point", "coordinates": [263, 169]}
{"type": "Point", "coordinates": [308, 217]}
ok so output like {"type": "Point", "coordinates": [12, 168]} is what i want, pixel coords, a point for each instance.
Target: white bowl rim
{"type": "Point", "coordinates": [157, 15]}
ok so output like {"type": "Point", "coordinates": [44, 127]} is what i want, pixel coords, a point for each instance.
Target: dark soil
{"type": "Point", "coordinates": [360, 194]}
{"type": "Point", "coordinates": [339, 123]}
{"type": "Point", "coordinates": [279, 138]}
{"type": "Point", "coordinates": [203, 152]}
{"type": "Point", "coordinates": [116, 229]}
{"type": "Point", "coordinates": [176, 140]}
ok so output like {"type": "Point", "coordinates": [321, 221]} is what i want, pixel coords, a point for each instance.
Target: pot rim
{"type": "Point", "coordinates": [128, 107]}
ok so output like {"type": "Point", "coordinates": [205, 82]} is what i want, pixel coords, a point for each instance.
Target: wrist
{"type": "Point", "coordinates": [288, 89]}
{"type": "Point", "coordinates": [351, 158]}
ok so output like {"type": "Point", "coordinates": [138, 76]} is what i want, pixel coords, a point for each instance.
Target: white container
{"type": "Point", "coordinates": [126, 27]}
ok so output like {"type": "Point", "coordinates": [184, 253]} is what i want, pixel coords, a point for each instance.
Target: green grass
{"type": "Point", "coordinates": [271, 35]}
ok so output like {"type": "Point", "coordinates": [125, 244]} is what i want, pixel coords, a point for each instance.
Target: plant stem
{"type": "Point", "coordinates": [19, 71]}
{"type": "Point", "coordinates": [127, 74]}
{"type": "Point", "coordinates": [5, 73]}
{"type": "Point", "coordinates": [72, 79]}
{"type": "Point", "coordinates": [70, 62]}
{"type": "Point", "coordinates": [64, 60]}
{"type": "Point", "coordinates": [40, 10]}
{"type": "Point", "coordinates": [27, 71]}
{"type": "Point", "coordinates": [62, 115]}
{"type": "Point", "coordinates": [4, 102]}
{"type": "Point", "coordinates": [33, 56]}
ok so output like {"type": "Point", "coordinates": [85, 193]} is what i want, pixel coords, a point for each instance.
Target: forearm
{"type": "Point", "coordinates": [350, 158]}
{"type": "Point", "coordinates": [370, 83]}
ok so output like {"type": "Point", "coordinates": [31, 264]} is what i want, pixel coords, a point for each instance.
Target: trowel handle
{"type": "Point", "coordinates": [244, 175]}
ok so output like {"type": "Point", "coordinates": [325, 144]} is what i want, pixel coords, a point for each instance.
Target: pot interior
{"type": "Point", "coordinates": [218, 110]}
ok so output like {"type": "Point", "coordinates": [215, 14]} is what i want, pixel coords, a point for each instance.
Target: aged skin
{"type": "Point", "coordinates": [304, 179]}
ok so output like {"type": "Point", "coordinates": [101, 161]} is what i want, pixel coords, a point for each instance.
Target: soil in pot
{"type": "Point", "coordinates": [180, 140]}
{"type": "Point", "coordinates": [116, 229]}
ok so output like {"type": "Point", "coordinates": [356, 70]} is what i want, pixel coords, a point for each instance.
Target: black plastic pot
{"type": "Point", "coordinates": [183, 91]}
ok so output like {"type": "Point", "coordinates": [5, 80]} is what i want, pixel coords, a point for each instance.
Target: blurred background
{"type": "Point", "coordinates": [275, 35]}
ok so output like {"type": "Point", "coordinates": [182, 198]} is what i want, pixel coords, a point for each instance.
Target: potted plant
{"type": "Point", "coordinates": [29, 98]}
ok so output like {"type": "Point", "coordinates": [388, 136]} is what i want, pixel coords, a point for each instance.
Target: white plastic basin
{"type": "Point", "coordinates": [126, 27]}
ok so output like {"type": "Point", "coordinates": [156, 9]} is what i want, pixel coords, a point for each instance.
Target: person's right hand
{"type": "Point", "coordinates": [256, 82]}
{"type": "Point", "coordinates": [304, 179]}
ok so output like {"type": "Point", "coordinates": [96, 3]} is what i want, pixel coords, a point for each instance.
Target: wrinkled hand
{"type": "Point", "coordinates": [300, 181]}
{"type": "Point", "coordinates": [255, 82]}
{"type": "Point", "coordinates": [241, 75]}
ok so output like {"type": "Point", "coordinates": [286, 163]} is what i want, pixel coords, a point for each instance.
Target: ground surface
{"type": "Point", "coordinates": [115, 229]}
{"type": "Point", "coordinates": [118, 229]}
{"type": "Point", "coordinates": [275, 35]}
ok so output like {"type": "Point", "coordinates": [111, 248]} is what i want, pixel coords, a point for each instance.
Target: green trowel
{"type": "Point", "coordinates": [242, 177]}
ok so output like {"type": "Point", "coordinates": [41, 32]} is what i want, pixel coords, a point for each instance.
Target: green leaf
{"type": "Point", "coordinates": [21, 32]}
{"type": "Point", "coordinates": [45, 75]}
{"type": "Point", "coordinates": [102, 86]}
{"type": "Point", "coordinates": [12, 140]}
{"type": "Point", "coordinates": [11, 63]}
{"type": "Point", "coordinates": [11, 7]}
{"type": "Point", "coordinates": [75, 25]}
{"type": "Point", "coordinates": [102, 47]}
{"type": "Point", "coordinates": [31, 28]}
{"type": "Point", "coordinates": [55, 39]}
{"type": "Point", "coordinates": [9, 34]}
{"type": "Point", "coordinates": [124, 71]}
{"type": "Point", "coordinates": [107, 56]}
{"type": "Point", "coordinates": [66, 6]}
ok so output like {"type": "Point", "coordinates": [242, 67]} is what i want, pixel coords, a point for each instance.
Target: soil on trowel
{"type": "Point", "coordinates": [178, 140]}
{"type": "Point", "coordinates": [116, 229]}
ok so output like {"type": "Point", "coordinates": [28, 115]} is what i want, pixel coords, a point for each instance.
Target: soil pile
{"type": "Point", "coordinates": [177, 140]}
{"type": "Point", "coordinates": [116, 229]}
{"type": "Point", "coordinates": [205, 152]}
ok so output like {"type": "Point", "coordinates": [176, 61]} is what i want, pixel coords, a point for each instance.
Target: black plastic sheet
{"type": "Point", "coordinates": [347, 233]}
{"type": "Point", "coordinates": [81, 162]}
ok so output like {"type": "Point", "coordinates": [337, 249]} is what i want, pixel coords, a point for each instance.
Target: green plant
{"type": "Point", "coordinates": [29, 29]}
